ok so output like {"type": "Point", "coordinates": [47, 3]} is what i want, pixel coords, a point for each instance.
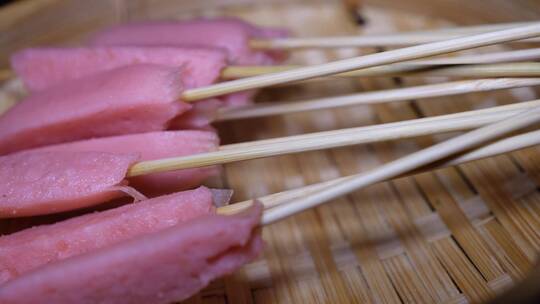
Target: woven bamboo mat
{"type": "Point", "coordinates": [456, 235]}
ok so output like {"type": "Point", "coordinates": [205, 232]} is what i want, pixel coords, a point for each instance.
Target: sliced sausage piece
{"type": "Point", "coordinates": [28, 249]}
{"type": "Point", "coordinates": [161, 267]}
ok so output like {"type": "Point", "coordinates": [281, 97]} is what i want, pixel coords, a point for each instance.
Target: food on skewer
{"type": "Point", "coordinates": [322, 140]}
{"type": "Point", "coordinates": [153, 145]}
{"type": "Point", "coordinates": [161, 267]}
{"type": "Point", "coordinates": [362, 62]}
{"type": "Point", "coordinates": [232, 35]}
{"type": "Point", "coordinates": [55, 268]}
{"type": "Point", "coordinates": [201, 114]}
{"type": "Point", "coordinates": [166, 256]}
{"type": "Point", "coordinates": [132, 99]}
{"type": "Point", "coordinates": [40, 68]}
{"type": "Point", "coordinates": [372, 60]}
{"type": "Point", "coordinates": [72, 175]}
{"type": "Point", "coordinates": [36, 183]}
{"type": "Point", "coordinates": [31, 248]}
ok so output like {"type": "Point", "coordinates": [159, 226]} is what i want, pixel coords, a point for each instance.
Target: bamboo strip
{"type": "Point", "coordinates": [356, 225]}
{"type": "Point", "coordinates": [393, 39]}
{"type": "Point", "coordinates": [361, 62]}
{"type": "Point", "coordinates": [422, 69]}
{"type": "Point", "coordinates": [320, 239]}
{"type": "Point", "coordinates": [507, 210]}
{"type": "Point", "coordinates": [506, 145]}
{"type": "Point", "coordinates": [503, 246]}
{"type": "Point", "coordinates": [460, 226]}
{"type": "Point", "coordinates": [489, 178]}
{"type": "Point", "coordinates": [347, 228]}
{"type": "Point", "coordinates": [287, 239]}
{"type": "Point", "coordinates": [447, 193]}
{"type": "Point", "coordinates": [424, 262]}
{"type": "Point", "coordinates": [445, 212]}
{"type": "Point", "coordinates": [458, 265]}
{"type": "Point", "coordinates": [406, 280]}
{"type": "Point", "coordinates": [383, 96]}
{"type": "Point", "coordinates": [318, 242]}
{"type": "Point", "coordinates": [332, 139]}
{"type": "Point", "coordinates": [405, 164]}
{"type": "Point", "coordinates": [431, 281]}
{"type": "Point", "coordinates": [529, 54]}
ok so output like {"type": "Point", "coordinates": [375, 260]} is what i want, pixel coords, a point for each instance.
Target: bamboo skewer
{"type": "Point", "coordinates": [421, 69]}
{"type": "Point", "coordinates": [443, 68]}
{"type": "Point", "coordinates": [394, 130]}
{"type": "Point", "coordinates": [502, 146]}
{"type": "Point", "coordinates": [235, 72]}
{"type": "Point", "coordinates": [392, 39]}
{"type": "Point", "coordinates": [522, 69]}
{"type": "Point", "coordinates": [404, 165]}
{"type": "Point", "coordinates": [383, 96]}
{"type": "Point", "coordinates": [393, 56]}
{"type": "Point", "coordinates": [529, 54]}
{"type": "Point", "coordinates": [332, 139]}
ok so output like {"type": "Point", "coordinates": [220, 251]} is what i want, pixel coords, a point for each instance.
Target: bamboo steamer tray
{"type": "Point", "coordinates": [457, 235]}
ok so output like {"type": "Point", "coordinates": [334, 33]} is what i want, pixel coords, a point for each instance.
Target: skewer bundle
{"type": "Point", "coordinates": [279, 146]}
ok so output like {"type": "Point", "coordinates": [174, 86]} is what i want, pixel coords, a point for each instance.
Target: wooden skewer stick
{"type": "Point", "coordinates": [235, 72]}
{"type": "Point", "coordinates": [530, 54]}
{"type": "Point", "coordinates": [383, 96]}
{"type": "Point", "coordinates": [392, 131]}
{"type": "Point", "coordinates": [502, 146]}
{"type": "Point", "coordinates": [340, 66]}
{"type": "Point", "coordinates": [521, 69]}
{"type": "Point", "coordinates": [404, 165]}
{"type": "Point", "coordinates": [332, 139]}
{"type": "Point", "coordinates": [391, 39]}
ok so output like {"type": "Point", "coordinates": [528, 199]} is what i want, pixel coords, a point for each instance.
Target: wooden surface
{"type": "Point", "coordinates": [456, 235]}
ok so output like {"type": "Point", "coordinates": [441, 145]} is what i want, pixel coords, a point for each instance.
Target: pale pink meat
{"type": "Point", "coordinates": [161, 267]}
{"type": "Point", "coordinates": [40, 68]}
{"type": "Point", "coordinates": [50, 182]}
{"type": "Point", "coordinates": [25, 250]}
{"type": "Point", "coordinates": [150, 146]}
{"type": "Point", "coordinates": [132, 99]}
{"type": "Point", "coordinates": [200, 116]}
{"type": "Point", "coordinates": [230, 34]}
